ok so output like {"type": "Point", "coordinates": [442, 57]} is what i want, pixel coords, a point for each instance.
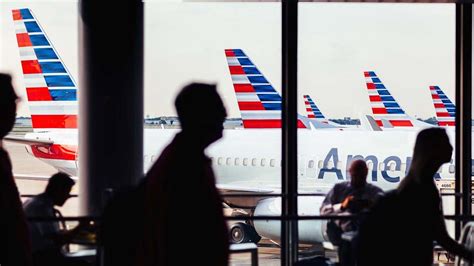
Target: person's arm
{"type": "Point", "coordinates": [330, 205]}
{"type": "Point", "coordinates": [442, 236]}
{"type": "Point", "coordinates": [450, 244]}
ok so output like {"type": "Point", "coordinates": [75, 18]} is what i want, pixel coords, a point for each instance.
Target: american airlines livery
{"type": "Point", "coordinates": [445, 109]}
{"type": "Point", "coordinates": [245, 161]}
{"type": "Point", "coordinates": [313, 110]}
{"type": "Point", "coordinates": [387, 112]}
{"type": "Point", "coordinates": [315, 114]}
{"type": "Point", "coordinates": [259, 103]}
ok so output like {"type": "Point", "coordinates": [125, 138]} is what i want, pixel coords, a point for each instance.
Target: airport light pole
{"type": "Point", "coordinates": [110, 99]}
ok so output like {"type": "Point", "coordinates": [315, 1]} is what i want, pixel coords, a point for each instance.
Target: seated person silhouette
{"type": "Point", "coordinates": [182, 202]}
{"type": "Point", "coordinates": [404, 223]}
{"type": "Point", "coordinates": [46, 236]}
{"type": "Point", "coordinates": [15, 249]}
{"type": "Point", "coordinates": [350, 197]}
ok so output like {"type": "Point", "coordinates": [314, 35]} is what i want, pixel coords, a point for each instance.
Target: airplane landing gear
{"type": "Point", "coordinates": [243, 233]}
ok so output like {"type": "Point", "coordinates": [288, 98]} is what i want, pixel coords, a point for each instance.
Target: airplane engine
{"type": "Point", "coordinates": [309, 231]}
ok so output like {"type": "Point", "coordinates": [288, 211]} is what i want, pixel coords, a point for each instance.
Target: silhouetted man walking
{"type": "Point", "coordinates": [184, 223]}
{"type": "Point", "coordinates": [15, 249]}
{"type": "Point", "coordinates": [402, 226]}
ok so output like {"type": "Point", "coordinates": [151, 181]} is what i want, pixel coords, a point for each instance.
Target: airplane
{"type": "Point", "coordinates": [315, 114]}
{"type": "Point", "coordinates": [259, 103]}
{"type": "Point", "coordinates": [313, 110]}
{"type": "Point", "coordinates": [445, 109]}
{"type": "Point", "coordinates": [245, 161]}
{"type": "Point", "coordinates": [386, 111]}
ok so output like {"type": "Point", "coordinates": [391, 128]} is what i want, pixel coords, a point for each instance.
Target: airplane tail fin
{"type": "Point", "coordinates": [313, 110]}
{"type": "Point", "coordinates": [445, 109]}
{"type": "Point", "coordinates": [50, 88]}
{"type": "Point", "coordinates": [384, 106]}
{"type": "Point", "coordinates": [259, 103]}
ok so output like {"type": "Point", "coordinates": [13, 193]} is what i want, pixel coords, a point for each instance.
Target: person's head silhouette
{"type": "Point", "coordinates": [201, 113]}
{"type": "Point", "coordinates": [59, 188]}
{"type": "Point", "coordinates": [8, 100]}
{"type": "Point", "coordinates": [358, 171]}
{"type": "Point", "coordinates": [433, 145]}
{"type": "Point", "coordinates": [432, 149]}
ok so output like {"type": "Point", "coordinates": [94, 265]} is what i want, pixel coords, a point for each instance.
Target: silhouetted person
{"type": "Point", "coordinates": [351, 197]}
{"type": "Point", "coordinates": [15, 249]}
{"type": "Point", "coordinates": [184, 216]}
{"type": "Point", "coordinates": [403, 224]}
{"type": "Point", "coordinates": [47, 236]}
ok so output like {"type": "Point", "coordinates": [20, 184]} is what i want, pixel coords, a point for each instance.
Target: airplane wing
{"type": "Point", "coordinates": [31, 177]}
{"type": "Point", "coordinates": [25, 141]}
{"type": "Point", "coordinates": [36, 177]}
{"type": "Point", "coordinates": [235, 195]}
{"type": "Point", "coordinates": [243, 189]}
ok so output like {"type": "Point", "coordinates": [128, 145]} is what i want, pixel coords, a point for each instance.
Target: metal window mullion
{"type": "Point", "coordinates": [463, 109]}
{"type": "Point", "coordinates": [289, 228]}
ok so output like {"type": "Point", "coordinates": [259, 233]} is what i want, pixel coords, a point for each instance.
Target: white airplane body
{"type": "Point", "coordinates": [248, 161]}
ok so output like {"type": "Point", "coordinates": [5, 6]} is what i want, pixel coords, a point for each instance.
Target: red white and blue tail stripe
{"type": "Point", "coordinates": [259, 103]}
{"type": "Point", "coordinates": [384, 106]}
{"type": "Point", "coordinates": [445, 109]}
{"type": "Point", "coordinates": [313, 110]}
{"type": "Point", "coordinates": [51, 91]}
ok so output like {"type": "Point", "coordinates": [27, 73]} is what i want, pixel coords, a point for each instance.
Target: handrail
{"type": "Point", "coordinates": [34, 195]}
{"type": "Point", "coordinates": [262, 217]}
{"type": "Point", "coordinates": [235, 195]}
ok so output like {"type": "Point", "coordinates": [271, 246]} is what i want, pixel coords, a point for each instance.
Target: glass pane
{"type": "Point", "coordinates": [39, 48]}
{"type": "Point", "coordinates": [238, 47]}
{"type": "Point", "coordinates": [369, 81]}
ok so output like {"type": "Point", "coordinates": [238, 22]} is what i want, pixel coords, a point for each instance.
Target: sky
{"type": "Point", "coordinates": [410, 47]}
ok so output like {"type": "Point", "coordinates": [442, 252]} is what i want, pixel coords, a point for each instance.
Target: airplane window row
{"type": "Point", "coordinates": [391, 166]}
{"type": "Point", "coordinates": [245, 161]}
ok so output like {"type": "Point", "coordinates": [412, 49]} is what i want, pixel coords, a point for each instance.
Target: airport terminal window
{"type": "Point", "coordinates": [354, 62]}
{"type": "Point", "coordinates": [59, 24]}
{"type": "Point", "coordinates": [244, 62]}
{"type": "Point", "coordinates": [330, 49]}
